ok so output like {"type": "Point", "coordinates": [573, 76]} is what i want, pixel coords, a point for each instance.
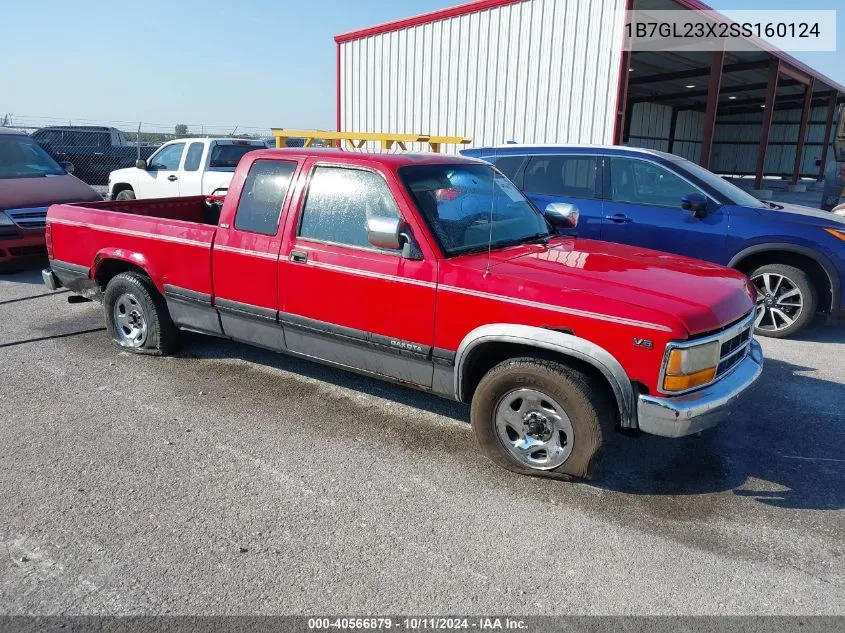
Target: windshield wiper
{"type": "Point", "coordinates": [537, 238]}
{"type": "Point", "coordinates": [772, 205]}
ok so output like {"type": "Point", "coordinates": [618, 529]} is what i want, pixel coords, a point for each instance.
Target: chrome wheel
{"type": "Point", "coordinates": [534, 429]}
{"type": "Point", "coordinates": [779, 302]}
{"type": "Point", "coordinates": [130, 322]}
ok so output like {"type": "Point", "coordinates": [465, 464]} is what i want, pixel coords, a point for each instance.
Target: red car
{"type": "Point", "coordinates": [344, 258]}
{"type": "Point", "coordinates": [30, 181]}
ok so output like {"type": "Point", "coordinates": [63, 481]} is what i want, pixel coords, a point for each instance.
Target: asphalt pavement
{"type": "Point", "coordinates": [231, 480]}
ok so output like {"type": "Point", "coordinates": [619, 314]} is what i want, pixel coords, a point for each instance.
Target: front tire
{"type": "Point", "coordinates": [137, 317]}
{"type": "Point", "coordinates": [786, 300]}
{"type": "Point", "coordinates": [125, 194]}
{"type": "Point", "coordinates": [542, 418]}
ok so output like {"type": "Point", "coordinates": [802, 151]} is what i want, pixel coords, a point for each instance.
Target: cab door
{"type": "Point", "coordinates": [161, 178]}
{"type": "Point", "coordinates": [569, 178]}
{"type": "Point", "coordinates": [346, 301]}
{"type": "Point", "coordinates": [246, 253]}
{"type": "Point", "coordinates": [190, 176]}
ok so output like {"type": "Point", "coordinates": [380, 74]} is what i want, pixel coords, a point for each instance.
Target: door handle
{"type": "Point", "coordinates": [172, 178]}
{"type": "Point", "coordinates": [619, 218]}
{"type": "Point", "coordinates": [300, 257]}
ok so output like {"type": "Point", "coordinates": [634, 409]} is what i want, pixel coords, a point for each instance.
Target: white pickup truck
{"type": "Point", "coordinates": [183, 167]}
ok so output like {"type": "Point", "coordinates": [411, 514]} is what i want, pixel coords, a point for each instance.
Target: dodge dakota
{"type": "Point", "coordinates": [434, 272]}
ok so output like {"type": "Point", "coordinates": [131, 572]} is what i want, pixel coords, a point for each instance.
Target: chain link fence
{"type": "Point", "coordinates": [94, 148]}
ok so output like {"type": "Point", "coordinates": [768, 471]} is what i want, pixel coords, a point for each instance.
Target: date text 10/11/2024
{"type": "Point", "coordinates": [417, 624]}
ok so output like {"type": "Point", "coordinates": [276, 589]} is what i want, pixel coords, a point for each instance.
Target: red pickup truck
{"type": "Point", "coordinates": [434, 272]}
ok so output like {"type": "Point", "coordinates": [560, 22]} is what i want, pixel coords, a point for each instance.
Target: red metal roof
{"type": "Point", "coordinates": [425, 18]}
{"type": "Point", "coordinates": [481, 5]}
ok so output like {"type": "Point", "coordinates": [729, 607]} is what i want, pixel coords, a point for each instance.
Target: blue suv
{"type": "Point", "coordinates": [794, 255]}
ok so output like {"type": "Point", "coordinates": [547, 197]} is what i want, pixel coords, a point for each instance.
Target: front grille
{"type": "Point", "coordinates": [32, 218]}
{"type": "Point", "coordinates": [734, 350]}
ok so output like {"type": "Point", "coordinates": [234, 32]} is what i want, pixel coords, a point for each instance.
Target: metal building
{"type": "Point", "coordinates": [557, 71]}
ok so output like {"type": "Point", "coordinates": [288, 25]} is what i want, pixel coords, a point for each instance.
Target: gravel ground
{"type": "Point", "coordinates": [229, 480]}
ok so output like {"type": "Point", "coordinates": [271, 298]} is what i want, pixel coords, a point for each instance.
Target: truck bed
{"type": "Point", "coordinates": [170, 237]}
{"type": "Point", "coordinates": [198, 209]}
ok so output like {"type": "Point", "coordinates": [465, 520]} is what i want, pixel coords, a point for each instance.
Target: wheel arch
{"type": "Point", "coordinates": [822, 268]}
{"type": "Point", "coordinates": [109, 263]}
{"type": "Point", "coordinates": [551, 343]}
{"type": "Point", "coordinates": [118, 187]}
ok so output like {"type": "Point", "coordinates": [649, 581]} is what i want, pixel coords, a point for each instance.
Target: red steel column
{"type": "Point", "coordinates": [802, 131]}
{"type": "Point", "coordinates": [715, 85]}
{"type": "Point", "coordinates": [831, 112]}
{"type": "Point", "coordinates": [771, 93]}
{"type": "Point", "coordinates": [624, 72]}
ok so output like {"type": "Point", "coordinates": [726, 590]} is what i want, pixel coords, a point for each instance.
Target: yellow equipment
{"type": "Point", "coordinates": [359, 139]}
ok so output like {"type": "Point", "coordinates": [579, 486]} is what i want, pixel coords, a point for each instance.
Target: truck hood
{"type": "Point", "coordinates": [18, 193]}
{"type": "Point", "coordinates": [699, 296]}
{"type": "Point", "coordinates": [124, 174]}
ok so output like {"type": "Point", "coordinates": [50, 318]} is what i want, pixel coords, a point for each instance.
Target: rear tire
{"type": "Point", "coordinates": [787, 300]}
{"type": "Point", "coordinates": [137, 317]}
{"type": "Point", "coordinates": [125, 194]}
{"type": "Point", "coordinates": [542, 418]}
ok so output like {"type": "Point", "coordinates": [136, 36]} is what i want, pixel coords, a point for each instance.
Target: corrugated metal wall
{"type": "Point", "coordinates": [537, 71]}
{"type": "Point", "coordinates": [736, 141]}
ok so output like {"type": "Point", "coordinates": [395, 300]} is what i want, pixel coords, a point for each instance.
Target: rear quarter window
{"type": "Point", "coordinates": [263, 196]}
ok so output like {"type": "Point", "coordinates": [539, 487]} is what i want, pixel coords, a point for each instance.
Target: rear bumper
{"type": "Point", "coordinates": [694, 412]}
{"type": "Point", "coordinates": [29, 246]}
{"type": "Point", "coordinates": [50, 279]}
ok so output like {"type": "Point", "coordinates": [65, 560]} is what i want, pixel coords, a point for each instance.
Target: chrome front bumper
{"type": "Point", "coordinates": [693, 412]}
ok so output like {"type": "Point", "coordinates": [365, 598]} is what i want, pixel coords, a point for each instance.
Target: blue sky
{"type": "Point", "coordinates": [255, 63]}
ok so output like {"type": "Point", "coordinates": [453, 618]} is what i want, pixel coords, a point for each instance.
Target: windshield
{"type": "Point", "coordinates": [21, 157]}
{"type": "Point", "coordinates": [729, 190]}
{"type": "Point", "coordinates": [227, 156]}
{"type": "Point", "coordinates": [459, 201]}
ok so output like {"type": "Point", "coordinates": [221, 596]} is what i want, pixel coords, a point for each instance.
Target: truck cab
{"type": "Point", "coordinates": [183, 167]}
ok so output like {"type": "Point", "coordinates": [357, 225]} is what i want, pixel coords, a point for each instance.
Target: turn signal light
{"type": "Point", "coordinates": [682, 383]}
{"type": "Point", "coordinates": [836, 233]}
{"type": "Point", "coordinates": [48, 240]}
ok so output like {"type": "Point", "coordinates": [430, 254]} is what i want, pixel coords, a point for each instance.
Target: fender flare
{"type": "Point", "coordinates": [559, 342]}
{"type": "Point", "coordinates": [123, 255]}
{"type": "Point", "coordinates": [819, 258]}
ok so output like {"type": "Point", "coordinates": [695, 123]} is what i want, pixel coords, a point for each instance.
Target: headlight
{"type": "Point", "coordinates": [688, 367]}
{"type": "Point", "coordinates": [5, 220]}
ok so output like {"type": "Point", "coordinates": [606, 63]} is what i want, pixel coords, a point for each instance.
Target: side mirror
{"type": "Point", "coordinates": [696, 203]}
{"type": "Point", "coordinates": [141, 164]}
{"type": "Point", "coordinates": [384, 232]}
{"type": "Point", "coordinates": [562, 215]}
{"type": "Point", "coordinates": [68, 167]}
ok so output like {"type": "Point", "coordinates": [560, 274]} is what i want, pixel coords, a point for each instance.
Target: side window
{"type": "Point", "coordinates": [570, 176]}
{"type": "Point", "coordinates": [263, 195]}
{"type": "Point", "coordinates": [167, 158]}
{"type": "Point", "coordinates": [48, 137]}
{"type": "Point", "coordinates": [644, 182]}
{"type": "Point", "coordinates": [192, 160]}
{"type": "Point", "coordinates": [509, 165]}
{"type": "Point", "coordinates": [339, 202]}
{"type": "Point", "coordinates": [81, 138]}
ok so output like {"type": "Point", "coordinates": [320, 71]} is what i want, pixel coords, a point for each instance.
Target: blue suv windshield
{"type": "Point", "coordinates": [729, 190]}
{"type": "Point", "coordinates": [468, 207]}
